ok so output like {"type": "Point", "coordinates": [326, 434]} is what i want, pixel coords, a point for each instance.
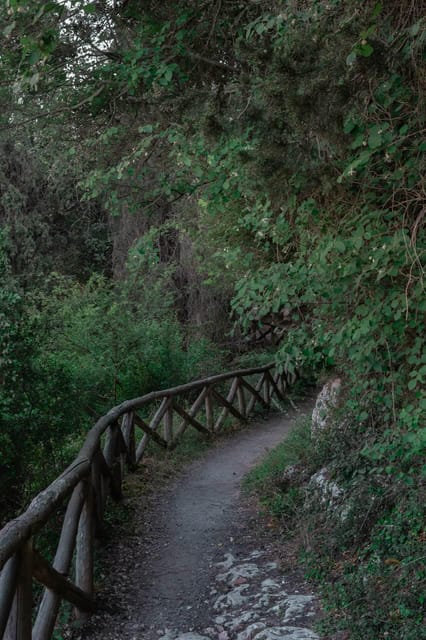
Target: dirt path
{"type": "Point", "coordinates": [165, 579]}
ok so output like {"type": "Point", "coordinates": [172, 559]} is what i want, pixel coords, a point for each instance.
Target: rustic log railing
{"type": "Point", "coordinates": [117, 440]}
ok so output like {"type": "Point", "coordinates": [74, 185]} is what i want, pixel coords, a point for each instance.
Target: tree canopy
{"type": "Point", "coordinates": [198, 167]}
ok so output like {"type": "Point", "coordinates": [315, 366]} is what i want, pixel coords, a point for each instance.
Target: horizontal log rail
{"type": "Point", "coordinates": [117, 440]}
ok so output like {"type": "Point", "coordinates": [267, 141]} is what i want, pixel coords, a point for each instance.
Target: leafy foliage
{"type": "Point", "coordinates": [283, 142]}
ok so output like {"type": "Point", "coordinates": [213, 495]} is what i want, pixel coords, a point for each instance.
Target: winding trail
{"type": "Point", "coordinates": [162, 578]}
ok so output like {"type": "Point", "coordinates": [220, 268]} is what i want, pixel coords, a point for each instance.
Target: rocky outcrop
{"type": "Point", "coordinates": [325, 405]}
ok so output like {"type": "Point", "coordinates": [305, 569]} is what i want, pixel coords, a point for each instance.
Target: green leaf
{"type": "Point", "coordinates": [415, 28]}
{"type": "Point", "coordinates": [349, 125]}
{"type": "Point", "coordinates": [147, 128]}
{"type": "Point", "coordinates": [375, 138]}
{"type": "Point", "coordinates": [358, 142]}
{"type": "Point", "coordinates": [365, 50]}
{"type": "Point", "coordinates": [8, 30]}
{"type": "Point", "coordinates": [377, 10]}
{"type": "Point", "coordinates": [90, 8]}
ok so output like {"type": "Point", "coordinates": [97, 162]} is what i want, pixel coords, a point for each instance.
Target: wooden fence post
{"type": "Point", "coordinates": [49, 606]}
{"type": "Point", "coordinates": [112, 455]}
{"type": "Point", "coordinates": [168, 425]}
{"type": "Point", "coordinates": [266, 389]}
{"type": "Point", "coordinates": [8, 579]}
{"type": "Point", "coordinates": [20, 619]}
{"type": "Point", "coordinates": [209, 410]}
{"type": "Point", "coordinates": [241, 399]}
{"type": "Point", "coordinates": [84, 562]}
{"type": "Point", "coordinates": [128, 429]}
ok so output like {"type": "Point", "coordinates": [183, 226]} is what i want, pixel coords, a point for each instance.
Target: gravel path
{"type": "Point", "coordinates": [198, 564]}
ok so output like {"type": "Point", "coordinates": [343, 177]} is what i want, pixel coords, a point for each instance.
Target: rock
{"type": "Point", "coordinates": [234, 598]}
{"type": "Point", "coordinates": [238, 581]}
{"type": "Point", "coordinates": [326, 402]}
{"type": "Point", "coordinates": [220, 620]}
{"type": "Point", "coordinates": [293, 476]}
{"type": "Point", "coordinates": [286, 633]}
{"type": "Point", "coordinates": [241, 571]}
{"type": "Point", "coordinates": [253, 555]}
{"type": "Point", "coordinates": [251, 631]}
{"type": "Point", "coordinates": [322, 490]}
{"type": "Point", "coordinates": [241, 620]}
{"type": "Point", "coordinates": [223, 635]}
{"type": "Point", "coordinates": [263, 601]}
{"type": "Point", "coordinates": [328, 492]}
{"type": "Point", "coordinates": [269, 586]}
{"type": "Point", "coordinates": [227, 563]}
{"type": "Point", "coordinates": [192, 636]}
{"type": "Point", "coordinates": [296, 607]}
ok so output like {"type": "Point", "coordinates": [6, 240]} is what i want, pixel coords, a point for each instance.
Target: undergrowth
{"type": "Point", "coordinates": [366, 550]}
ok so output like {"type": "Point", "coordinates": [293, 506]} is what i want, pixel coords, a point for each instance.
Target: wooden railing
{"type": "Point", "coordinates": [78, 496]}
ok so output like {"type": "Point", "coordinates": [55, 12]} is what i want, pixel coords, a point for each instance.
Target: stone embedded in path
{"type": "Point", "coordinates": [238, 623]}
{"type": "Point", "coordinates": [228, 562]}
{"type": "Point", "coordinates": [240, 571]}
{"type": "Point", "coordinates": [261, 608]}
{"type": "Point", "coordinates": [174, 635]}
{"type": "Point", "coordinates": [296, 607]}
{"type": "Point", "coordinates": [269, 586]}
{"type": "Point", "coordinates": [286, 633]}
{"type": "Point", "coordinates": [251, 631]}
{"type": "Point", "coordinates": [233, 598]}
{"type": "Point", "coordinates": [293, 607]}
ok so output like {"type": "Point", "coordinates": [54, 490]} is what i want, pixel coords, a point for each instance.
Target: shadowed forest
{"type": "Point", "coordinates": [190, 187]}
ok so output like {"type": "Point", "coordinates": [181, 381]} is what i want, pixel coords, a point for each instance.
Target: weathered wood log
{"type": "Point", "coordinates": [85, 550]}
{"type": "Point", "coordinates": [8, 581]}
{"type": "Point", "coordinates": [230, 398]}
{"type": "Point", "coordinates": [266, 389]}
{"type": "Point", "coordinates": [141, 448]}
{"type": "Point", "coordinates": [150, 432]}
{"type": "Point", "coordinates": [20, 619]}
{"type": "Point", "coordinates": [241, 399]}
{"type": "Point", "coordinates": [209, 409]}
{"type": "Point", "coordinates": [55, 581]}
{"type": "Point", "coordinates": [186, 416]}
{"type": "Point", "coordinates": [118, 466]}
{"type": "Point", "coordinates": [168, 424]}
{"type": "Point", "coordinates": [110, 448]}
{"type": "Point", "coordinates": [195, 408]}
{"type": "Point", "coordinates": [128, 431]}
{"type": "Point", "coordinates": [198, 403]}
{"type": "Point", "coordinates": [228, 405]}
{"type": "Point", "coordinates": [49, 606]}
{"type": "Point", "coordinates": [255, 394]}
{"type": "Point", "coordinates": [98, 489]}
{"type": "Point", "coordinates": [14, 533]}
{"type": "Point", "coordinates": [112, 451]}
{"type": "Point", "coordinates": [274, 385]}
{"type": "Point", "coordinates": [159, 414]}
